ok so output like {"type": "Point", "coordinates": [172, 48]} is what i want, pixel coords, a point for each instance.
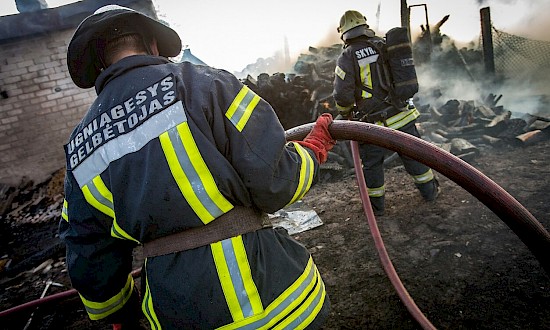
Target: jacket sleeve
{"type": "Point", "coordinates": [99, 265]}
{"type": "Point", "coordinates": [275, 172]}
{"type": "Point", "coordinates": [344, 82]}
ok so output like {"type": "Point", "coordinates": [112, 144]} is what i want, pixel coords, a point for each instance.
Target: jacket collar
{"type": "Point", "coordinates": [124, 65]}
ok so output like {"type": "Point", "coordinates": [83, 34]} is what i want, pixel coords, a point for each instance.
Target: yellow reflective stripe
{"type": "Point", "coordinates": [118, 232]}
{"type": "Point", "coordinates": [99, 196]}
{"type": "Point", "coordinates": [193, 177]}
{"type": "Point", "coordinates": [239, 289]}
{"type": "Point", "coordinates": [423, 178]}
{"type": "Point", "coordinates": [96, 194]}
{"type": "Point", "coordinates": [246, 275]}
{"type": "Point", "coordinates": [342, 108]}
{"type": "Point", "coordinates": [401, 119]}
{"type": "Point", "coordinates": [306, 313]}
{"type": "Point", "coordinates": [306, 173]}
{"type": "Point", "coordinates": [64, 211]}
{"type": "Point", "coordinates": [241, 108]}
{"type": "Point", "coordinates": [366, 79]}
{"type": "Point", "coordinates": [284, 305]}
{"type": "Point", "coordinates": [340, 73]}
{"type": "Point", "coordinates": [147, 305]}
{"type": "Point", "coordinates": [377, 192]}
{"type": "Point", "coordinates": [100, 310]}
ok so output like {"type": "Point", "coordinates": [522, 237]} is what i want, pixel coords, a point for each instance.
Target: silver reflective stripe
{"type": "Point", "coordinates": [312, 308]}
{"type": "Point", "coordinates": [423, 178]}
{"type": "Point", "coordinates": [99, 197]}
{"type": "Point", "coordinates": [128, 143]}
{"type": "Point", "coordinates": [279, 309]}
{"type": "Point", "coordinates": [192, 175]}
{"type": "Point", "coordinates": [236, 277]}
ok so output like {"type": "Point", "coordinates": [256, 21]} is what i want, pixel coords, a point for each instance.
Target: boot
{"type": "Point", "coordinates": [429, 190]}
{"type": "Point", "coordinates": [377, 204]}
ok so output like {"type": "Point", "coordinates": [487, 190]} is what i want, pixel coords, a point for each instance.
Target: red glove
{"type": "Point", "coordinates": [319, 139]}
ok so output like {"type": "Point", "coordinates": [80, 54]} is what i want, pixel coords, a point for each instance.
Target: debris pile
{"type": "Point", "coordinates": [461, 127]}
{"type": "Point", "coordinates": [300, 97]}
{"type": "Point", "coordinates": [35, 207]}
{"type": "Point", "coordinates": [32, 203]}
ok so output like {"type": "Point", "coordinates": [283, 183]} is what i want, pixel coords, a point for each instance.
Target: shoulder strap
{"type": "Point", "coordinates": [382, 70]}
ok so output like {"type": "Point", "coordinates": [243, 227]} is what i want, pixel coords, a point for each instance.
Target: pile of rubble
{"type": "Point", "coordinates": [32, 203]}
{"type": "Point", "coordinates": [461, 127]}
{"type": "Point", "coordinates": [299, 97]}
{"type": "Point", "coordinates": [27, 209]}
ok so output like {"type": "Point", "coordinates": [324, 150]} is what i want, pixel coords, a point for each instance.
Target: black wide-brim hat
{"type": "Point", "coordinates": [106, 23]}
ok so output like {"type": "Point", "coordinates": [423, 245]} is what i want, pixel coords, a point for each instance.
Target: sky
{"type": "Point", "coordinates": [233, 34]}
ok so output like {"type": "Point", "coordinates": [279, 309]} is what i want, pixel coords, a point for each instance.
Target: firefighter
{"type": "Point", "coordinates": [185, 161]}
{"type": "Point", "coordinates": [359, 90]}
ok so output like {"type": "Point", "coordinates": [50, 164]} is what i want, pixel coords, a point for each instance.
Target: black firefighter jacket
{"type": "Point", "coordinates": [359, 81]}
{"type": "Point", "coordinates": [170, 146]}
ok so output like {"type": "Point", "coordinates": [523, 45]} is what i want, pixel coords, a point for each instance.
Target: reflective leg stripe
{"type": "Point", "coordinates": [344, 109]}
{"type": "Point", "coordinates": [147, 306]}
{"type": "Point", "coordinates": [401, 119]}
{"type": "Point", "coordinates": [298, 305]}
{"type": "Point", "coordinates": [193, 177]}
{"type": "Point", "coordinates": [306, 313]}
{"type": "Point", "coordinates": [64, 212]}
{"type": "Point", "coordinates": [97, 195]}
{"type": "Point", "coordinates": [241, 108]}
{"type": "Point", "coordinates": [235, 277]}
{"type": "Point", "coordinates": [423, 178]}
{"type": "Point", "coordinates": [100, 310]}
{"type": "Point", "coordinates": [306, 173]}
{"type": "Point", "coordinates": [377, 192]}
{"type": "Point", "coordinates": [366, 79]}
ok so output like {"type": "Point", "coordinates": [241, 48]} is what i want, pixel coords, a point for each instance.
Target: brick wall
{"type": "Point", "coordinates": [39, 103]}
{"type": "Point", "coordinates": [41, 108]}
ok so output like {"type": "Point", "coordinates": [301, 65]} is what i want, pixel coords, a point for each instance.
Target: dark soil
{"type": "Point", "coordinates": [462, 265]}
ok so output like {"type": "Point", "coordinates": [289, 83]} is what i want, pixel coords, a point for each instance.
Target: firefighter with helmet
{"type": "Point", "coordinates": [360, 90]}
{"type": "Point", "coordinates": [185, 161]}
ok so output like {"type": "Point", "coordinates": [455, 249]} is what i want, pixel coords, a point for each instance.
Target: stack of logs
{"type": "Point", "coordinates": [458, 126]}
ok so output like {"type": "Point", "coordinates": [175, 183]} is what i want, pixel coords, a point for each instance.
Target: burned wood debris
{"type": "Point", "coordinates": [462, 127]}
{"type": "Point", "coordinates": [299, 97]}
{"type": "Point", "coordinates": [35, 207]}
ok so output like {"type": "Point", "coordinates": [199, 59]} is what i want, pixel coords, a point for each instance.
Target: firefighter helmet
{"type": "Point", "coordinates": [350, 20]}
{"type": "Point", "coordinates": [108, 22]}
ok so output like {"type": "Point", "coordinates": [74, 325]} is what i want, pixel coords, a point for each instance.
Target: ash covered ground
{"type": "Point", "coordinates": [462, 265]}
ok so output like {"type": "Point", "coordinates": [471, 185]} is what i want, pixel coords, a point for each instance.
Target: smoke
{"type": "Point", "coordinates": [535, 25]}
{"type": "Point", "coordinates": [523, 64]}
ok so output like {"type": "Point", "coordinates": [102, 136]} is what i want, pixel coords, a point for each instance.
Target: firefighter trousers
{"type": "Point", "coordinates": [372, 157]}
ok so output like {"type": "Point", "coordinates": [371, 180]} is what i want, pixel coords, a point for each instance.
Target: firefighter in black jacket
{"type": "Point", "coordinates": [186, 161]}
{"type": "Point", "coordinates": [358, 87]}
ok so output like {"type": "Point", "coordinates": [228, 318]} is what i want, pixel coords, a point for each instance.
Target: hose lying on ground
{"type": "Point", "coordinates": [378, 242]}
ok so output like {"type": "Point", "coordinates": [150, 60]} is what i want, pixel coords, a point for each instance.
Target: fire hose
{"type": "Point", "coordinates": [384, 257]}
{"type": "Point", "coordinates": [529, 230]}
{"type": "Point", "coordinates": [508, 209]}
{"type": "Point", "coordinates": [519, 219]}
